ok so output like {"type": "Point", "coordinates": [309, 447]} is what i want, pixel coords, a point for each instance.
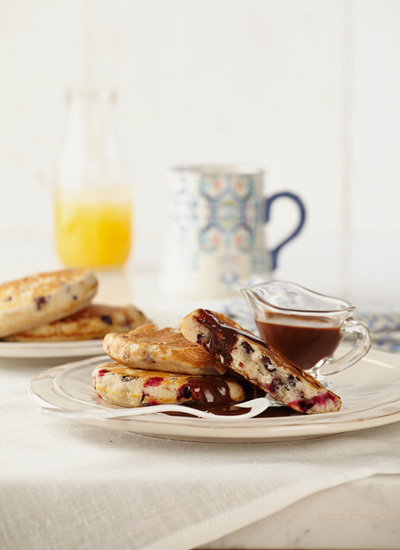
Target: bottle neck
{"type": "Point", "coordinates": [90, 153]}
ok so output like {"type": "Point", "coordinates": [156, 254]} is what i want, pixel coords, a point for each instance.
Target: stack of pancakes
{"type": "Point", "coordinates": [160, 366]}
{"type": "Point", "coordinates": [209, 361]}
{"type": "Point", "coordinates": [56, 306]}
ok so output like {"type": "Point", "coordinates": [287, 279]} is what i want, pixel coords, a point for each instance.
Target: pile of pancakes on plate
{"type": "Point", "coordinates": [209, 362]}
{"type": "Point", "coordinates": [56, 307]}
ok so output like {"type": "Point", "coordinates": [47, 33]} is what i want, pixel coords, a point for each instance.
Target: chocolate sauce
{"type": "Point", "coordinates": [215, 389]}
{"type": "Point", "coordinates": [228, 410]}
{"type": "Point", "coordinates": [233, 410]}
{"type": "Point", "coordinates": [302, 345]}
{"type": "Point", "coordinates": [211, 394]}
{"type": "Point", "coordinates": [273, 412]}
{"type": "Point", "coordinates": [219, 410]}
{"type": "Point", "coordinates": [222, 336]}
{"type": "Point", "coordinates": [207, 390]}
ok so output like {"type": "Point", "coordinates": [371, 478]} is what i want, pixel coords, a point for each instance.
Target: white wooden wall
{"type": "Point", "coordinates": [308, 89]}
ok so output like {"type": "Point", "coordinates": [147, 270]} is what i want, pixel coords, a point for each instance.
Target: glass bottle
{"type": "Point", "coordinates": [93, 202]}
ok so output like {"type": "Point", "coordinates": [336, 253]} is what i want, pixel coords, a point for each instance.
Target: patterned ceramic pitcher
{"type": "Point", "coordinates": [216, 238]}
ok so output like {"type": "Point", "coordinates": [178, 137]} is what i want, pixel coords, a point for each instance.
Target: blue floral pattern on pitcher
{"type": "Point", "coordinates": [231, 205]}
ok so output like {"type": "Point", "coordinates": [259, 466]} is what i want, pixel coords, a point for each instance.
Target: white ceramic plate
{"type": "Point", "coordinates": [370, 393]}
{"type": "Point", "coordinates": [34, 350]}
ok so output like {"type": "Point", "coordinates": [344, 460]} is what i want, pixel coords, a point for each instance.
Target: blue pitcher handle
{"type": "Point", "coordinates": [299, 202]}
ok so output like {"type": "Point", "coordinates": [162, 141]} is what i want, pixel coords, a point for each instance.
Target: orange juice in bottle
{"type": "Point", "coordinates": [93, 206]}
{"type": "Point", "coordinates": [93, 227]}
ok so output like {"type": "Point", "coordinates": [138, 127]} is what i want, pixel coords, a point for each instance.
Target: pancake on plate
{"type": "Point", "coordinates": [128, 387]}
{"type": "Point", "coordinates": [245, 354]}
{"type": "Point", "coordinates": [39, 299]}
{"type": "Point", "coordinates": [150, 348]}
{"type": "Point", "coordinates": [92, 322]}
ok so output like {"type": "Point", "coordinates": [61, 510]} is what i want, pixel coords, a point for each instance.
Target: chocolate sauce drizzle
{"type": "Point", "coordinates": [215, 389]}
{"type": "Point", "coordinates": [212, 394]}
{"type": "Point", "coordinates": [207, 390]}
{"type": "Point", "coordinates": [222, 337]}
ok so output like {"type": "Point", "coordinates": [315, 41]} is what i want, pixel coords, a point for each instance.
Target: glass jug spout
{"type": "Point", "coordinates": [285, 297]}
{"type": "Point", "coordinates": [252, 299]}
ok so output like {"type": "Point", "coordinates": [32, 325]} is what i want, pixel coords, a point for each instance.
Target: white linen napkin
{"type": "Point", "coordinates": [67, 485]}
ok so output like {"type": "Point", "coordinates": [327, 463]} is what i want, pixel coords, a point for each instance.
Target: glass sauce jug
{"type": "Point", "coordinates": [306, 327]}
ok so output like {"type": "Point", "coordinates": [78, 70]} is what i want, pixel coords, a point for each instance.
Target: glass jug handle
{"type": "Point", "coordinates": [268, 202]}
{"type": "Point", "coordinates": [361, 347]}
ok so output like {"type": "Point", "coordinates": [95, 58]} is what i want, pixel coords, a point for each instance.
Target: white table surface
{"type": "Point", "coordinates": [83, 488]}
{"type": "Point", "coordinates": [361, 514]}
{"type": "Point", "coordinates": [68, 485]}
